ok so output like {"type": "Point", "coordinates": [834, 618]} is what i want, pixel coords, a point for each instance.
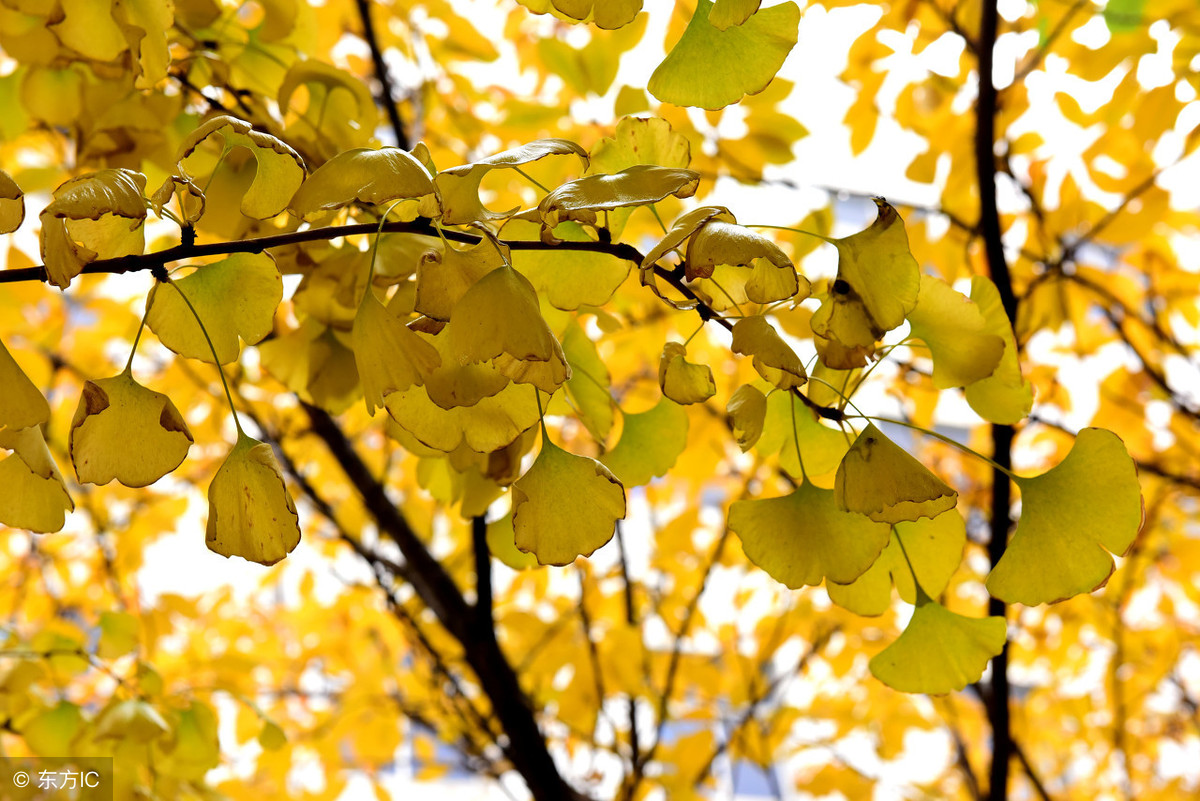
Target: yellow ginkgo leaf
{"type": "Point", "coordinates": [390, 356]}
{"type": "Point", "coordinates": [250, 513]}
{"type": "Point", "coordinates": [366, 176]}
{"type": "Point", "coordinates": [773, 358]}
{"type": "Point", "coordinates": [191, 198]}
{"type": "Point", "coordinates": [963, 349]}
{"type": "Point", "coordinates": [499, 314]}
{"type": "Point", "coordinates": [883, 481]}
{"type": "Point", "coordinates": [452, 384]}
{"type": "Point", "coordinates": [459, 186]}
{"type": "Point", "coordinates": [1004, 396]}
{"type": "Point", "coordinates": [125, 431]}
{"type": "Point", "coordinates": [21, 405]}
{"type": "Point", "coordinates": [556, 532]}
{"type": "Point", "coordinates": [12, 204]}
{"type": "Point", "coordinates": [790, 426]}
{"type": "Point", "coordinates": [567, 279]}
{"type": "Point", "coordinates": [280, 169]}
{"type": "Point", "coordinates": [99, 215]}
{"type": "Point", "coordinates": [35, 495]}
{"type": "Point", "coordinates": [682, 381]}
{"type": "Point", "coordinates": [711, 67]}
{"type": "Point", "coordinates": [581, 200]}
{"type": "Point", "coordinates": [940, 651]}
{"type": "Point", "coordinates": [445, 275]}
{"type": "Point", "coordinates": [488, 425]}
{"type": "Point", "coordinates": [133, 720]}
{"type": "Point", "coordinates": [650, 443]}
{"type": "Point", "coordinates": [930, 548]}
{"type": "Point", "coordinates": [234, 297]}
{"type": "Point", "coordinates": [51, 732]}
{"type": "Point", "coordinates": [877, 284]}
{"type": "Point", "coordinates": [119, 632]}
{"type": "Point", "coordinates": [719, 242]}
{"type": "Point", "coordinates": [747, 409]}
{"type": "Point", "coordinates": [546, 375]}
{"type": "Point", "coordinates": [326, 78]}
{"type": "Point", "coordinates": [804, 538]}
{"type": "Point", "coordinates": [1072, 516]}
{"type": "Point", "coordinates": [640, 140]}
{"type": "Point", "coordinates": [607, 14]}
{"type": "Point", "coordinates": [683, 228]}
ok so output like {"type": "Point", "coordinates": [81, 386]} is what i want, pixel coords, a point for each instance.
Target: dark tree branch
{"type": "Point", "coordinates": [483, 573]}
{"type": "Point", "coordinates": [386, 98]}
{"type": "Point", "coordinates": [1002, 436]}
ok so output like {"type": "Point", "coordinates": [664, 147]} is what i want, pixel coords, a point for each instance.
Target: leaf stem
{"type": "Point", "coordinates": [795, 231]}
{"type": "Point", "coordinates": [796, 438]}
{"type": "Point", "coordinates": [136, 339]}
{"type": "Point", "coordinates": [531, 179]}
{"type": "Point", "coordinates": [216, 359]}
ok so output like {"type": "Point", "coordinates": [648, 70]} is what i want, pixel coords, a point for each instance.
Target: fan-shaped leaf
{"type": "Point", "coordinates": [367, 176]}
{"type": "Point", "coordinates": [682, 381]}
{"type": "Point", "coordinates": [883, 481]}
{"type": "Point", "coordinates": [963, 349]}
{"type": "Point", "coordinates": [250, 513]}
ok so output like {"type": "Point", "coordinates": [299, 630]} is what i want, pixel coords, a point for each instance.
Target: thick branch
{"type": "Point", "coordinates": [1002, 436]}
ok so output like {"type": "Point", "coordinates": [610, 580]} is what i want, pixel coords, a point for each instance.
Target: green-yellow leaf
{"type": "Point", "coordinates": [133, 720]}
{"type": "Point", "coordinates": [883, 481]}
{"type": "Point", "coordinates": [488, 425]}
{"type": "Point", "coordinates": [272, 738]}
{"type": "Point", "coordinates": [21, 405]}
{"type": "Point", "coordinates": [650, 443]}
{"type": "Point", "coordinates": [125, 431]}
{"type": "Point", "coordinates": [280, 169]}
{"type": "Point", "coordinates": [933, 548]}
{"type": "Point", "coordinates": [788, 423]}
{"type": "Point", "coordinates": [681, 380]}
{"type": "Point", "coordinates": [725, 13]}
{"type": "Point", "coordinates": [193, 748]}
{"type": "Point", "coordinates": [119, 632]}
{"type": "Point", "coordinates": [557, 532]}
{"type": "Point", "coordinates": [963, 349]}
{"type": "Point", "coordinates": [501, 540]}
{"type": "Point", "coordinates": [35, 495]}
{"type": "Point", "coordinates": [773, 358]}
{"type": "Point", "coordinates": [1072, 516]}
{"type": "Point", "coordinates": [711, 67]}
{"type": "Point", "coordinates": [567, 279]}
{"type": "Point", "coordinates": [940, 651]}
{"type": "Point", "coordinates": [607, 14]}
{"type": "Point", "coordinates": [250, 513]}
{"type": "Point", "coordinates": [52, 732]}
{"type": "Point", "coordinates": [1004, 396]}
{"type": "Point", "coordinates": [444, 276]}
{"type": "Point", "coordinates": [803, 538]}
{"type": "Point", "coordinates": [747, 409]}
{"type": "Point", "coordinates": [877, 284]}
{"type": "Point", "coordinates": [499, 314]}
{"type": "Point", "coordinates": [367, 176]}
{"type": "Point", "coordinates": [234, 297]}
{"type": "Point", "coordinates": [589, 384]}
{"type": "Point", "coordinates": [459, 186]}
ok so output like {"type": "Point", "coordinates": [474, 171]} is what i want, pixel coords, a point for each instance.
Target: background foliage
{"type": "Point", "coordinates": [406, 632]}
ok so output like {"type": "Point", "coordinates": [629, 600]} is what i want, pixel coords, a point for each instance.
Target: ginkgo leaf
{"type": "Point", "coordinates": [134, 720]}
{"type": "Point", "coordinates": [280, 169]}
{"type": "Point", "coordinates": [711, 67]}
{"type": "Point", "coordinates": [580, 200]}
{"type": "Point", "coordinates": [556, 532]}
{"type": "Point", "coordinates": [12, 204]}
{"type": "Point", "coordinates": [683, 228]}
{"type": "Point", "coordinates": [803, 538]}
{"type": "Point", "coordinates": [21, 405]}
{"type": "Point", "coordinates": [314, 72]}
{"type": "Point", "coordinates": [250, 513]}
{"type": "Point", "coordinates": [791, 427]}
{"type": "Point", "coordinates": [940, 651]}
{"type": "Point", "coordinates": [99, 215]}
{"type": "Point", "coordinates": [568, 279]}
{"type": "Point", "coordinates": [589, 384]}
{"type": "Point", "coordinates": [747, 409]}
{"type": "Point", "coordinates": [719, 242]}
{"type": "Point", "coordinates": [640, 140]}
{"type": "Point", "coordinates": [682, 381]}
{"type": "Point", "coordinates": [51, 732]}
{"type": "Point", "coordinates": [366, 176]}
{"type": "Point", "coordinates": [119, 633]}
{"type": "Point", "coordinates": [389, 355]}
{"type": "Point", "coordinates": [930, 548]}
{"type": "Point", "coordinates": [963, 349]}
{"type": "Point", "coordinates": [234, 297]}
{"type": "Point", "coordinates": [35, 495]}
{"type": "Point", "coordinates": [773, 358]}
{"type": "Point", "coordinates": [1072, 516]}
{"type": "Point", "coordinates": [452, 384]}
{"type": "Point", "coordinates": [607, 14]}
{"type": "Point", "coordinates": [488, 425]}
{"type": "Point", "coordinates": [459, 186]}
{"type": "Point", "coordinates": [125, 431]}
{"type": "Point", "coordinates": [191, 198]}
{"type": "Point", "coordinates": [546, 375]}
{"type": "Point", "coordinates": [1004, 396]}
{"type": "Point", "coordinates": [883, 481]}
{"type": "Point", "coordinates": [877, 284]}
{"type": "Point", "coordinates": [444, 276]}
{"type": "Point", "coordinates": [725, 13]}
{"type": "Point", "coordinates": [499, 314]}
{"type": "Point", "coordinates": [651, 442]}
{"type": "Point", "coordinates": [193, 748]}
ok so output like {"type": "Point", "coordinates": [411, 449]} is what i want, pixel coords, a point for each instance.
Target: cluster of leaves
{"type": "Point", "coordinates": [515, 359]}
